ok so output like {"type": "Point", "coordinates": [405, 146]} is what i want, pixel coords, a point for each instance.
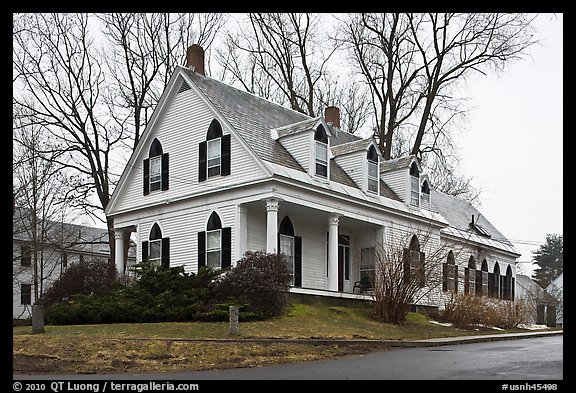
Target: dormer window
{"type": "Point", "coordinates": [373, 170]}
{"type": "Point", "coordinates": [321, 140]}
{"type": "Point", "coordinates": [425, 195]}
{"type": "Point", "coordinates": [155, 169]}
{"type": "Point", "coordinates": [214, 153]}
{"type": "Point", "coordinates": [414, 185]}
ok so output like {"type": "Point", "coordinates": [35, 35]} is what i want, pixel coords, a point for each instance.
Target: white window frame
{"type": "Point", "coordinates": [152, 244]}
{"type": "Point", "coordinates": [373, 181]}
{"type": "Point", "coordinates": [414, 191]}
{"type": "Point", "coordinates": [321, 147]}
{"type": "Point", "coordinates": [287, 239]}
{"type": "Point", "coordinates": [155, 173]}
{"type": "Point", "coordinates": [213, 145]}
{"type": "Point", "coordinates": [214, 250]}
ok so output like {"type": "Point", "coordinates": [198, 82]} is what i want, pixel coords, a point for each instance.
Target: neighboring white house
{"type": "Point", "coordinates": [556, 289]}
{"type": "Point", "coordinates": [541, 305]}
{"type": "Point", "coordinates": [219, 171]}
{"type": "Point", "coordinates": [57, 246]}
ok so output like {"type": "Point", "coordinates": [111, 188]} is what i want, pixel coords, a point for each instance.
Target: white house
{"type": "Point", "coordinates": [541, 306]}
{"type": "Point", "coordinates": [219, 171]}
{"type": "Point", "coordinates": [57, 246]}
{"type": "Point", "coordinates": [556, 289]}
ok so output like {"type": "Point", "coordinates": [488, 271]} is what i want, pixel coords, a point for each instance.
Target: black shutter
{"type": "Point", "coordinates": [466, 280]}
{"type": "Point", "coordinates": [456, 279]}
{"type": "Point", "coordinates": [513, 285]}
{"type": "Point", "coordinates": [146, 176]}
{"type": "Point", "coordinates": [406, 261]}
{"type": "Point", "coordinates": [202, 160]}
{"type": "Point", "coordinates": [226, 247]}
{"type": "Point", "coordinates": [297, 261]}
{"type": "Point", "coordinates": [166, 252]}
{"type": "Point", "coordinates": [144, 251]}
{"type": "Point", "coordinates": [421, 270]}
{"type": "Point", "coordinates": [445, 276]}
{"type": "Point", "coordinates": [201, 249]}
{"type": "Point", "coordinates": [225, 155]}
{"type": "Point", "coordinates": [164, 171]}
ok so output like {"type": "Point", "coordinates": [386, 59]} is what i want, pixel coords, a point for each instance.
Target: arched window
{"type": "Point", "coordinates": [290, 246]}
{"type": "Point", "coordinates": [373, 170]}
{"type": "Point", "coordinates": [157, 248]}
{"type": "Point", "coordinates": [414, 259]}
{"type": "Point", "coordinates": [450, 274]}
{"type": "Point", "coordinates": [425, 195]}
{"type": "Point", "coordinates": [155, 169]}
{"type": "Point", "coordinates": [214, 153]}
{"type": "Point", "coordinates": [321, 140]}
{"type": "Point", "coordinates": [215, 244]}
{"type": "Point", "coordinates": [414, 185]}
{"type": "Point", "coordinates": [470, 276]}
{"type": "Point", "coordinates": [494, 282]}
{"type": "Point", "coordinates": [508, 289]}
{"type": "Point", "coordinates": [482, 279]}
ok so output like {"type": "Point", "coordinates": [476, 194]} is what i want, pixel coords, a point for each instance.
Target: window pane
{"type": "Point", "coordinates": [154, 252]}
{"type": "Point", "coordinates": [213, 240]}
{"type": "Point", "coordinates": [287, 249]}
{"type": "Point", "coordinates": [214, 158]}
{"type": "Point", "coordinates": [321, 170]}
{"type": "Point", "coordinates": [213, 259]}
{"type": "Point", "coordinates": [372, 169]}
{"type": "Point", "coordinates": [214, 149]}
{"type": "Point", "coordinates": [372, 185]}
{"type": "Point", "coordinates": [321, 152]}
{"type": "Point", "coordinates": [367, 258]}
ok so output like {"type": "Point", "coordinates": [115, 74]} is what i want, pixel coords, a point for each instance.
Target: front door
{"type": "Point", "coordinates": [343, 261]}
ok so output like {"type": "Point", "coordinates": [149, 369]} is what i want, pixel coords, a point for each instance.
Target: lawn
{"type": "Point", "coordinates": [112, 348]}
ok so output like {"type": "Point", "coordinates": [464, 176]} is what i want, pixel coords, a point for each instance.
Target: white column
{"type": "Point", "coordinates": [119, 251]}
{"type": "Point", "coordinates": [271, 225]}
{"type": "Point", "coordinates": [242, 240]}
{"type": "Point", "coordinates": [333, 252]}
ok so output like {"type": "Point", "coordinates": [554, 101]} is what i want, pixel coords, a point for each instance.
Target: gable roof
{"type": "Point", "coordinates": [396, 163]}
{"type": "Point", "coordinates": [350, 147]}
{"type": "Point", "coordinates": [536, 291]}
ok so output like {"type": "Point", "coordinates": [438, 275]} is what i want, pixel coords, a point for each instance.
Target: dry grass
{"type": "Point", "coordinates": [105, 348]}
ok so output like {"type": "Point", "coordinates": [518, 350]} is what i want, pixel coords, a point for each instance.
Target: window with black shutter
{"type": "Point", "coordinates": [414, 264]}
{"type": "Point", "coordinates": [214, 153]}
{"type": "Point", "coordinates": [156, 249]}
{"type": "Point", "coordinates": [215, 244]}
{"type": "Point", "coordinates": [155, 169]}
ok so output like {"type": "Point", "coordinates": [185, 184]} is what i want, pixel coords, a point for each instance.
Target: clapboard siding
{"type": "Point", "coordinates": [180, 129]}
{"type": "Point", "coordinates": [182, 229]}
{"type": "Point", "coordinates": [354, 164]}
{"type": "Point", "coordinates": [298, 145]}
{"type": "Point", "coordinates": [397, 180]}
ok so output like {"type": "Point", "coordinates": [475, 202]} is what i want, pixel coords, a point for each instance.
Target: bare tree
{"type": "Point", "coordinates": [58, 83]}
{"type": "Point", "coordinates": [39, 209]}
{"type": "Point", "coordinates": [414, 65]}
{"type": "Point", "coordinates": [143, 52]}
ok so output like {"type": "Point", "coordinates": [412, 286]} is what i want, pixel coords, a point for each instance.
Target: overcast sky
{"type": "Point", "coordinates": [513, 145]}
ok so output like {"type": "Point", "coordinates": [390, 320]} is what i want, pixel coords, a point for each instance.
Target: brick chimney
{"type": "Point", "coordinates": [195, 58]}
{"type": "Point", "coordinates": [332, 115]}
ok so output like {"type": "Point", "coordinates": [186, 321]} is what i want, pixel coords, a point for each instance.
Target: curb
{"type": "Point", "coordinates": [431, 342]}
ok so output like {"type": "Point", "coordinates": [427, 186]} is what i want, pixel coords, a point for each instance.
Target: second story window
{"type": "Point", "coordinates": [155, 169]}
{"type": "Point", "coordinates": [214, 153]}
{"type": "Point", "coordinates": [321, 141]}
{"type": "Point", "coordinates": [425, 195]}
{"type": "Point", "coordinates": [414, 185]}
{"type": "Point", "coordinates": [373, 170]}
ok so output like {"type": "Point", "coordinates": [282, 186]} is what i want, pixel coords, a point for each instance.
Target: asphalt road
{"type": "Point", "coordinates": [524, 359]}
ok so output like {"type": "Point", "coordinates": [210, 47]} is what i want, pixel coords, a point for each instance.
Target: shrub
{"type": "Point", "coordinates": [259, 280]}
{"type": "Point", "coordinates": [472, 310]}
{"type": "Point", "coordinates": [92, 275]}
